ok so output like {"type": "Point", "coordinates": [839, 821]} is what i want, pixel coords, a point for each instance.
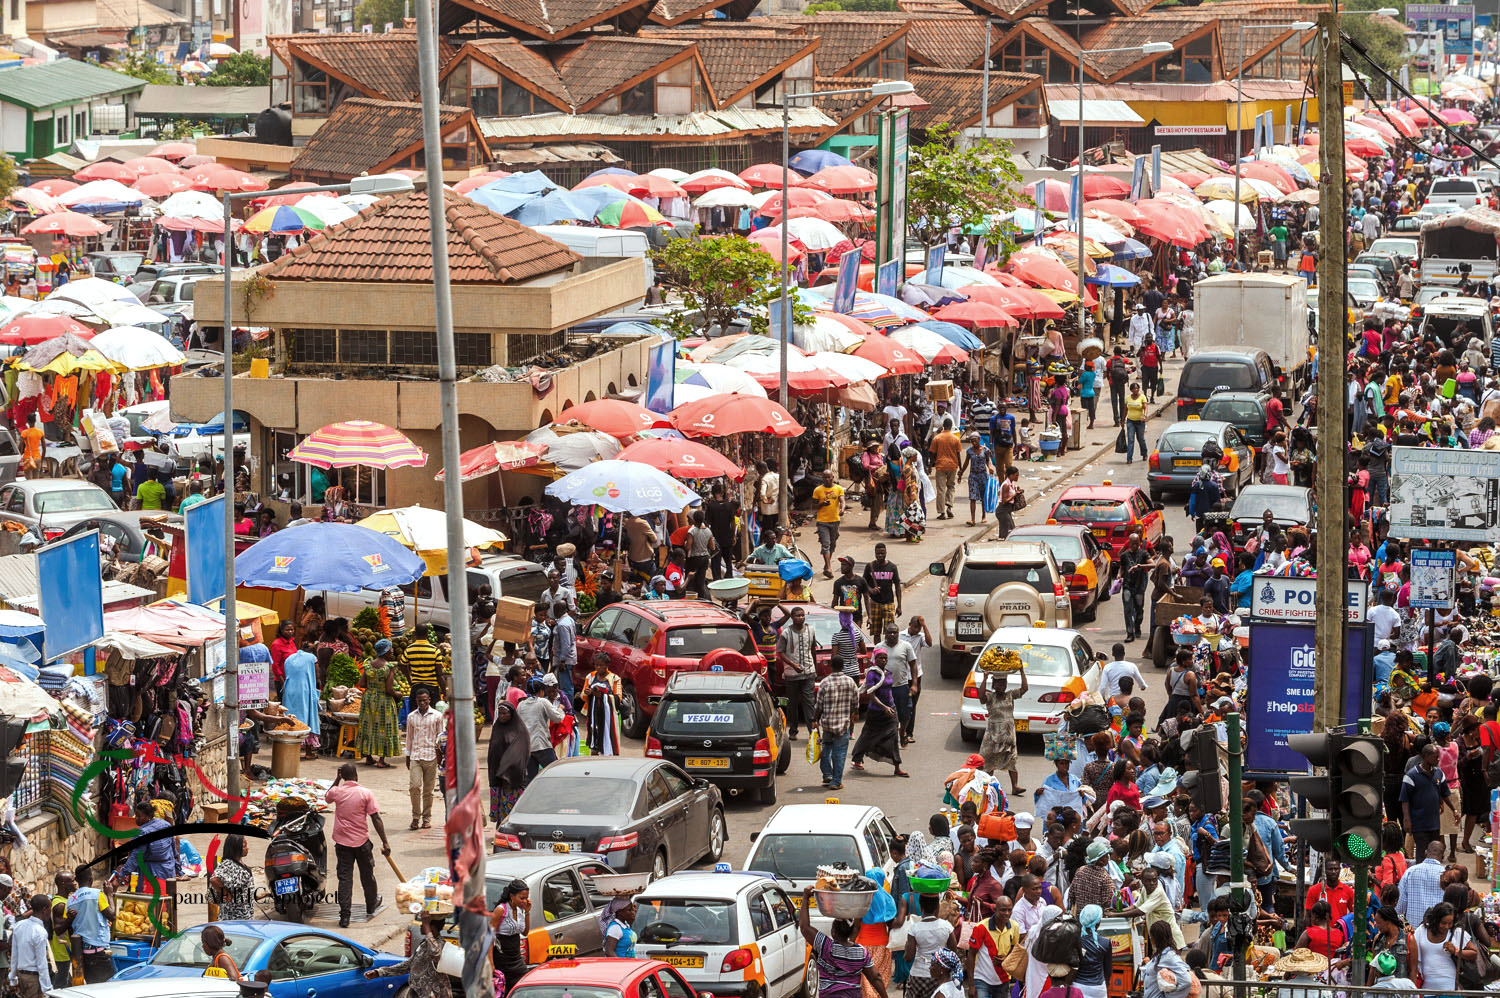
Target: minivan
{"type": "Point", "coordinates": [1211, 371]}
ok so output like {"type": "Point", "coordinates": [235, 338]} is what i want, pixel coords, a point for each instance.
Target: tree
{"type": "Point", "coordinates": [949, 183]}
{"type": "Point", "coordinates": [143, 67]}
{"type": "Point", "coordinates": [380, 13]}
{"type": "Point", "coordinates": [834, 6]}
{"type": "Point", "coordinates": [9, 179]}
{"type": "Point", "coordinates": [1381, 39]}
{"type": "Point", "coordinates": [718, 277]}
{"type": "Point", "coordinates": [243, 70]}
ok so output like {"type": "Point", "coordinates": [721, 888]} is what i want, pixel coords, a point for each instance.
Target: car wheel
{"type": "Point", "coordinates": [632, 719]}
{"type": "Point", "coordinates": [784, 759]}
{"type": "Point", "coordinates": [659, 865]}
{"type": "Point", "coordinates": [967, 734]}
{"type": "Point", "coordinates": [1092, 613]}
{"type": "Point", "coordinates": [767, 794]}
{"type": "Point", "coordinates": [716, 836]}
{"type": "Point", "coordinates": [810, 982]}
{"type": "Point", "coordinates": [951, 665]}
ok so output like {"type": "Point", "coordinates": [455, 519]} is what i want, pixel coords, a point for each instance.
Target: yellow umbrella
{"type": "Point", "coordinates": [66, 363]}
{"type": "Point", "coordinates": [1222, 189]}
{"type": "Point", "coordinates": [425, 532]}
{"type": "Point", "coordinates": [1061, 297]}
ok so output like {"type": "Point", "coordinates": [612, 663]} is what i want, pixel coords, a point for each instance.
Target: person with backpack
{"type": "Point", "coordinates": [1002, 435]}
{"type": "Point", "coordinates": [1118, 373]}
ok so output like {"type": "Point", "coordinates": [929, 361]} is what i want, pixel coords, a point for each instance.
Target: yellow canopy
{"type": "Point", "coordinates": [66, 363]}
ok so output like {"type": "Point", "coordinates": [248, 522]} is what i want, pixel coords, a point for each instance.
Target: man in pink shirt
{"type": "Point", "coordinates": [352, 804]}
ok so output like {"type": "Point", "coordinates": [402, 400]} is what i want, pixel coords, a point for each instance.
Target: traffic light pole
{"type": "Point", "coordinates": [1239, 904]}
{"type": "Point", "coordinates": [1361, 900]}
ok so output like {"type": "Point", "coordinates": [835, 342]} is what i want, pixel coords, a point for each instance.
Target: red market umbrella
{"type": "Point", "coordinates": [772, 244]}
{"type": "Point", "coordinates": [1170, 222]}
{"type": "Point", "coordinates": [1457, 116]}
{"type": "Point", "coordinates": [1360, 147]}
{"type": "Point", "coordinates": [358, 442]}
{"type": "Point", "coordinates": [1191, 178]}
{"type": "Point", "coordinates": [713, 179]}
{"type": "Point", "coordinates": [65, 223]}
{"type": "Point", "coordinates": [173, 150]}
{"type": "Point", "coordinates": [196, 159]}
{"type": "Point", "coordinates": [1402, 122]}
{"type": "Point", "coordinates": [682, 458]}
{"type": "Point", "coordinates": [53, 187]}
{"type": "Point", "coordinates": [1056, 195]}
{"type": "Point", "coordinates": [890, 355]}
{"type": "Point", "coordinates": [721, 415]}
{"type": "Point", "coordinates": [842, 180]}
{"type": "Point", "coordinates": [1272, 174]}
{"type": "Point", "coordinates": [1041, 271]}
{"type": "Point", "coordinates": [797, 197]}
{"type": "Point", "coordinates": [29, 330]}
{"type": "Point", "coordinates": [479, 180]}
{"type": "Point", "coordinates": [497, 455]}
{"type": "Point", "coordinates": [160, 185]}
{"type": "Point", "coordinates": [223, 178]}
{"type": "Point", "coordinates": [764, 175]}
{"type": "Point", "coordinates": [106, 169]}
{"type": "Point", "coordinates": [1123, 210]}
{"type": "Point", "coordinates": [144, 165]}
{"type": "Point", "coordinates": [849, 322]}
{"type": "Point", "coordinates": [975, 315]}
{"type": "Point", "coordinates": [1022, 303]}
{"type": "Point", "coordinates": [1104, 185]}
{"type": "Point", "coordinates": [653, 186]}
{"type": "Point", "coordinates": [287, 194]}
{"type": "Point", "coordinates": [835, 210]}
{"type": "Point", "coordinates": [616, 417]}
{"type": "Point", "coordinates": [1375, 123]}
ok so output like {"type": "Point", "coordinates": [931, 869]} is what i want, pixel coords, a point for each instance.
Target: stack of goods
{"type": "Point", "coordinates": [261, 810]}
{"type": "Point", "coordinates": [842, 892]}
{"type": "Point", "coordinates": [998, 659]}
{"type": "Point", "coordinates": [286, 727]}
{"type": "Point", "coordinates": [343, 702]}
{"type": "Point", "coordinates": [431, 890]}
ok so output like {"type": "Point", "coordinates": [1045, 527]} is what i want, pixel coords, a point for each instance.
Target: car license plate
{"type": "Point", "coordinates": [566, 846]}
{"type": "Point", "coordinates": [1186, 462]}
{"type": "Point", "coordinates": [682, 962]}
{"type": "Point", "coordinates": [287, 885]}
{"type": "Point", "coordinates": [1023, 726]}
{"type": "Point", "coordinates": [706, 762]}
{"type": "Point", "coordinates": [1101, 531]}
{"type": "Point", "coordinates": [970, 629]}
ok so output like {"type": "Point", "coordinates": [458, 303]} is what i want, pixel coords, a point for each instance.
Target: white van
{"type": "Point", "coordinates": [505, 574]}
{"type": "Point", "coordinates": [605, 244]}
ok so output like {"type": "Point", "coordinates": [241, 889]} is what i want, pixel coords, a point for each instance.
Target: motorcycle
{"type": "Point", "coordinates": [296, 860]}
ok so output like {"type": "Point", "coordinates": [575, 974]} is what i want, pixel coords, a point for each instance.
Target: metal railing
{"type": "Point", "coordinates": [1304, 988]}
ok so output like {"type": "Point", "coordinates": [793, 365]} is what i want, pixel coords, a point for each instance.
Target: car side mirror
{"type": "Point", "coordinates": [937, 568]}
{"type": "Point", "coordinates": [1158, 505]}
{"type": "Point", "coordinates": [754, 836]}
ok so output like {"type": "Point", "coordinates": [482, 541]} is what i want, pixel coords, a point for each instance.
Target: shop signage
{"type": "Point", "coordinates": [1444, 494]}
{"type": "Point", "coordinates": [1281, 690]}
{"type": "Point", "coordinates": [1190, 130]}
{"type": "Point", "coordinates": [1432, 574]}
{"type": "Point", "coordinates": [1276, 597]}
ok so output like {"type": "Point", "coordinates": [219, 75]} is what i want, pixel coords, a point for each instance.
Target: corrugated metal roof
{"type": "Point", "coordinates": [1286, 90]}
{"type": "Point", "coordinates": [66, 81]}
{"type": "Point", "coordinates": [161, 99]}
{"type": "Point", "coordinates": [1096, 113]}
{"type": "Point", "coordinates": [700, 124]}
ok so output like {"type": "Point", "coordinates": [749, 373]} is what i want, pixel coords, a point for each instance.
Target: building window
{"type": "Point", "coordinates": [1198, 60]}
{"type": "Point", "coordinates": [309, 89]}
{"type": "Point", "coordinates": [639, 99]}
{"type": "Point", "coordinates": [1029, 108]}
{"type": "Point", "coordinates": [81, 124]}
{"type": "Point", "coordinates": [61, 136]}
{"type": "Point", "coordinates": [15, 10]}
{"type": "Point", "coordinates": [281, 82]}
{"type": "Point", "coordinates": [888, 64]}
{"type": "Point", "coordinates": [312, 346]}
{"type": "Point", "coordinates": [411, 348]}
{"type": "Point", "coordinates": [362, 346]}
{"type": "Point", "coordinates": [473, 349]}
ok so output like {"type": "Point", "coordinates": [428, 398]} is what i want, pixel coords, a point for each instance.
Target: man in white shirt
{"type": "Point", "coordinates": [1371, 225]}
{"type": "Point", "coordinates": [1385, 616]}
{"type": "Point", "coordinates": [1109, 676]}
{"type": "Point", "coordinates": [895, 414]}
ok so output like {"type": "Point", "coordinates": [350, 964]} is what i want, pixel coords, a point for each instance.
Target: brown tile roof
{"type": "Point", "coordinates": [361, 135]}
{"type": "Point", "coordinates": [672, 12]}
{"type": "Point", "coordinates": [846, 39]}
{"type": "Point", "coordinates": [955, 95]}
{"type": "Point", "coordinates": [739, 59]}
{"type": "Point", "coordinates": [383, 66]}
{"type": "Point", "coordinates": [525, 66]}
{"type": "Point", "coordinates": [843, 106]}
{"type": "Point", "coordinates": [950, 41]}
{"type": "Point", "coordinates": [1159, 26]}
{"type": "Point", "coordinates": [551, 19]}
{"type": "Point", "coordinates": [1253, 19]}
{"type": "Point", "coordinates": [605, 64]}
{"type": "Point", "coordinates": [389, 242]}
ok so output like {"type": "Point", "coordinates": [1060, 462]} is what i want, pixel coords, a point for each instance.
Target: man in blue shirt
{"type": "Point", "coordinates": [1424, 793]}
{"type": "Point", "coordinates": [160, 855]}
{"type": "Point", "coordinates": [90, 913]}
{"type": "Point", "coordinates": [29, 973]}
{"type": "Point", "coordinates": [1204, 831]}
{"type": "Point", "coordinates": [1270, 834]}
{"type": "Point", "coordinates": [1239, 589]}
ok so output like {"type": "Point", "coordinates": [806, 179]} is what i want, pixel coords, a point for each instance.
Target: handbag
{"type": "Point", "coordinates": [898, 935]}
{"type": "Point", "coordinates": [814, 745]}
{"type": "Point", "coordinates": [1015, 961]}
{"type": "Point", "coordinates": [991, 493]}
{"type": "Point", "coordinates": [1120, 445]}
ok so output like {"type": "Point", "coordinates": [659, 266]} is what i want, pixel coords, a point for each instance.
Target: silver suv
{"type": "Point", "coordinates": [996, 584]}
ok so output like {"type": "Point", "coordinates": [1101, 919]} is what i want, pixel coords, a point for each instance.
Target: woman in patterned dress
{"type": "Point", "coordinates": [378, 734]}
{"type": "Point", "coordinates": [999, 744]}
{"type": "Point", "coordinates": [233, 882]}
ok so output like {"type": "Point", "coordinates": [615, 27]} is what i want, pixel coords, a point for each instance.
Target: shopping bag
{"type": "Point", "coordinates": [1121, 446]}
{"type": "Point", "coordinates": [991, 493]}
{"type": "Point", "coordinates": [814, 746]}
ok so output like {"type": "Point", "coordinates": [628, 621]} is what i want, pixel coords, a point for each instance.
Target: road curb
{"type": "Point", "coordinates": [1101, 451]}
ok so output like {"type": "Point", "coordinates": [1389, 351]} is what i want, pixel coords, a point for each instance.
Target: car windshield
{"type": "Point", "coordinates": [1453, 187]}
{"type": "Point", "coordinates": [120, 263]}
{"type": "Point", "coordinates": [1253, 506]}
{"type": "Point", "coordinates": [706, 716]}
{"type": "Point", "coordinates": [1080, 510]}
{"type": "Point", "coordinates": [1062, 546]}
{"type": "Point", "coordinates": [798, 856]}
{"type": "Point", "coordinates": [73, 501]}
{"type": "Point", "coordinates": [1233, 411]}
{"type": "Point", "coordinates": [1040, 660]}
{"type": "Point", "coordinates": [559, 793]}
{"type": "Point", "coordinates": [186, 950]}
{"type": "Point", "coordinates": [1364, 289]}
{"type": "Point", "coordinates": [690, 921]}
{"type": "Point", "coordinates": [564, 991]}
{"type": "Point", "coordinates": [1216, 376]}
{"type": "Point", "coordinates": [697, 641]}
{"type": "Point", "coordinates": [1184, 441]}
{"type": "Point", "coordinates": [988, 578]}
{"type": "Point", "coordinates": [1396, 247]}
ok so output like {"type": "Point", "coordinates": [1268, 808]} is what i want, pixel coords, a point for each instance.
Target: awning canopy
{"type": "Point", "coordinates": [1096, 113]}
{"type": "Point", "coordinates": [160, 101]}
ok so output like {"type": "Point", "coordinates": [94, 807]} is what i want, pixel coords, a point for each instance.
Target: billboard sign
{"type": "Point", "coordinates": [1432, 574]}
{"type": "Point", "coordinates": [1454, 22]}
{"type": "Point", "coordinates": [1443, 494]}
{"type": "Point", "coordinates": [1281, 688]}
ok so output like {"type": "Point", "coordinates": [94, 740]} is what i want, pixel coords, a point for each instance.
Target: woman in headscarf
{"type": "Point", "coordinates": [947, 974]}
{"type": "Point", "coordinates": [601, 705]}
{"type": "Point", "coordinates": [880, 738]}
{"type": "Point", "coordinates": [299, 694]}
{"type": "Point", "coordinates": [1036, 969]}
{"type": "Point", "coordinates": [510, 750]}
{"type": "Point", "coordinates": [616, 925]}
{"type": "Point", "coordinates": [895, 496]}
{"type": "Point", "coordinates": [913, 484]}
{"type": "Point", "coordinates": [875, 931]}
{"type": "Point", "coordinates": [1096, 958]}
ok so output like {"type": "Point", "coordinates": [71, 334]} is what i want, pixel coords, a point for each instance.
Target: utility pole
{"type": "Point", "coordinates": [1239, 898]}
{"type": "Point", "coordinates": [1332, 353]}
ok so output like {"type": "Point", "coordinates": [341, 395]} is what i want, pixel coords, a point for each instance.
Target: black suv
{"type": "Point", "coordinates": [1245, 410]}
{"type": "Point", "coordinates": [723, 727]}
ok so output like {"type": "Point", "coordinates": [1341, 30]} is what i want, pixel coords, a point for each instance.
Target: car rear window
{"type": "Point", "coordinates": [1210, 376]}
{"type": "Point", "coordinates": [558, 793]}
{"type": "Point", "coordinates": [988, 578]}
{"type": "Point", "coordinates": [706, 716]}
{"type": "Point", "coordinates": [1453, 187]}
{"type": "Point", "coordinates": [1041, 660]}
{"type": "Point", "coordinates": [523, 585]}
{"type": "Point", "coordinates": [1252, 506]}
{"type": "Point", "coordinates": [1185, 441]}
{"type": "Point", "coordinates": [1091, 511]}
{"type": "Point", "coordinates": [73, 501]}
{"type": "Point", "coordinates": [697, 641]}
{"type": "Point", "coordinates": [1231, 411]}
{"type": "Point", "coordinates": [564, 991]}
{"type": "Point", "coordinates": [1063, 547]}
{"type": "Point", "coordinates": [799, 856]}
{"type": "Point", "coordinates": [690, 921]}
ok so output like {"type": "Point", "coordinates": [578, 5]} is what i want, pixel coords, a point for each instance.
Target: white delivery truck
{"type": "Point", "coordinates": [1465, 243]}
{"type": "Point", "coordinates": [1256, 311]}
{"type": "Point", "coordinates": [606, 245]}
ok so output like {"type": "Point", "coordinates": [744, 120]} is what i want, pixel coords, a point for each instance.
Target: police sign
{"type": "Point", "coordinates": [1276, 597]}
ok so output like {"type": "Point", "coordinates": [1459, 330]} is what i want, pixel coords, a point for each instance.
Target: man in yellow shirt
{"type": "Point", "coordinates": [830, 499]}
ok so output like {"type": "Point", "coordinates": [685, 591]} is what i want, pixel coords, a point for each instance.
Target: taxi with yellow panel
{"type": "Point", "coordinates": [565, 904]}
{"type": "Point", "coordinates": [1112, 512]}
{"type": "Point", "coordinates": [730, 933]}
{"type": "Point", "coordinates": [1179, 454]}
{"type": "Point", "coordinates": [1086, 565]}
{"type": "Point", "coordinates": [602, 977]}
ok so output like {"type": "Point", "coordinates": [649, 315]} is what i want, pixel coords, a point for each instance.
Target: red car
{"type": "Point", "coordinates": [602, 977]}
{"type": "Point", "coordinates": [1112, 512]}
{"type": "Point", "coordinates": [649, 640]}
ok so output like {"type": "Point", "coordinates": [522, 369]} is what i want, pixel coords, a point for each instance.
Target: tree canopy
{"type": "Point", "coordinates": [951, 183]}
{"type": "Point", "coordinates": [716, 278]}
{"type": "Point", "coordinates": [243, 70]}
{"type": "Point", "coordinates": [380, 13]}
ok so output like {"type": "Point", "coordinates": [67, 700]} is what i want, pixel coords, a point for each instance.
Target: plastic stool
{"type": "Point", "coordinates": [346, 739]}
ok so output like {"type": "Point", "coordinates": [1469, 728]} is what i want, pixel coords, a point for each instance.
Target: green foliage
{"type": "Point", "coordinates": [244, 70]}
{"type": "Point", "coordinates": [716, 277]}
{"type": "Point", "coordinates": [834, 6]}
{"type": "Point", "coordinates": [9, 180]}
{"type": "Point", "coordinates": [341, 672]}
{"type": "Point", "coordinates": [143, 67]}
{"type": "Point", "coordinates": [380, 13]}
{"type": "Point", "coordinates": [948, 183]}
{"type": "Point", "coordinates": [1385, 43]}
{"type": "Point", "coordinates": [367, 619]}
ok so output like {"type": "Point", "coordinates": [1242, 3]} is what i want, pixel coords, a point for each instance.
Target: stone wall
{"type": "Point", "coordinates": [49, 850]}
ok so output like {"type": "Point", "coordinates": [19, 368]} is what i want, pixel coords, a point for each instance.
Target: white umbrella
{"type": "Point", "coordinates": [192, 204]}
{"type": "Point", "coordinates": [219, 50]}
{"type": "Point", "coordinates": [328, 210]}
{"type": "Point", "coordinates": [1226, 210]}
{"type": "Point", "coordinates": [726, 197]}
{"type": "Point", "coordinates": [63, 306]}
{"type": "Point", "coordinates": [11, 306]}
{"type": "Point", "coordinates": [136, 348]}
{"type": "Point", "coordinates": [131, 313]}
{"type": "Point", "coordinates": [825, 333]}
{"type": "Point", "coordinates": [814, 233]}
{"type": "Point", "coordinates": [92, 290]}
{"type": "Point", "coordinates": [849, 366]}
{"type": "Point", "coordinates": [1098, 231]}
{"type": "Point", "coordinates": [573, 450]}
{"type": "Point", "coordinates": [956, 277]}
{"type": "Point", "coordinates": [624, 486]}
{"type": "Point", "coordinates": [668, 173]}
{"type": "Point", "coordinates": [721, 378]}
{"type": "Point", "coordinates": [424, 530]}
{"type": "Point", "coordinates": [101, 192]}
{"type": "Point", "coordinates": [359, 202]}
{"type": "Point", "coordinates": [1267, 190]}
{"type": "Point", "coordinates": [925, 342]}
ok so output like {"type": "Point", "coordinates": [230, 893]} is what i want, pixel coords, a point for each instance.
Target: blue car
{"type": "Point", "coordinates": [303, 961]}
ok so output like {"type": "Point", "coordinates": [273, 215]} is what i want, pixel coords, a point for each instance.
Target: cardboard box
{"type": "Point", "coordinates": [939, 391]}
{"type": "Point", "coordinates": [512, 618]}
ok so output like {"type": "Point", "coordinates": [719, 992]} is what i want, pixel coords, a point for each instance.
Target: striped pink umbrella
{"type": "Point", "coordinates": [358, 442]}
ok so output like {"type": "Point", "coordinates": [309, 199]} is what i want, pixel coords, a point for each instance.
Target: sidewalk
{"type": "Point", "coordinates": [1040, 479]}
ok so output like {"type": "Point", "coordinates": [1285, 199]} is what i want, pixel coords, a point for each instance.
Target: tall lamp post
{"type": "Point", "coordinates": [383, 184]}
{"type": "Point", "coordinates": [885, 88]}
{"type": "Point", "coordinates": [1149, 48]}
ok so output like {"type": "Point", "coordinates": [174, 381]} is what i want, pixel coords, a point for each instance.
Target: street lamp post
{"type": "Point", "coordinates": [885, 88]}
{"type": "Point", "coordinates": [382, 184]}
{"type": "Point", "coordinates": [1149, 48]}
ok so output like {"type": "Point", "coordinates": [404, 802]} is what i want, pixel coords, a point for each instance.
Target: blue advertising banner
{"type": "Point", "coordinates": [1281, 686]}
{"type": "Point", "coordinates": [1156, 167]}
{"type": "Point", "coordinates": [1302, 114]}
{"type": "Point", "coordinates": [848, 282]}
{"type": "Point", "coordinates": [1138, 179]}
{"type": "Point", "coordinates": [888, 277]}
{"type": "Point", "coordinates": [661, 375]}
{"type": "Point", "coordinates": [203, 526]}
{"type": "Point", "coordinates": [981, 255]}
{"type": "Point", "coordinates": [1075, 197]}
{"type": "Point", "coordinates": [936, 257]}
{"type": "Point", "coordinates": [1255, 139]}
{"type": "Point", "coordinates": [70, 594]}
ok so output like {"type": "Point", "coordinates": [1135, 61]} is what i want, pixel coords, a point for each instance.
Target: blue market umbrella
{"type": "Point", "coordinates": [633, 328]}
{"type": "Point", "coordinates": [612, 171]}
{"type": "Point", "coordinates": [528, 182]}
{"type": "Point", "coordinates": [1110, 276]}
{"type": "Point", "coordinates": [1131, 249]}
{"type": "Point", "coordinates": [598, 197]}
{"type": "Point", "coordinates": [332, 557]}
{"type": "Point", "coordinates": [621, 487]}
{"type": "Point", "coordinates": [550, 208]}
{"type": "Point", "coordinates": [929, 296]}
{"type": "Point", "coordinates": [810, 161]}
{"type": "Point", "coordinates": [953, 333]}
{"type": "Point", "coordinates": [499, 201]}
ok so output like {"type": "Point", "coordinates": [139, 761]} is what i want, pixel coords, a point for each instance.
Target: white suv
{"type": "Point", "coordinates": [1466, 192]}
